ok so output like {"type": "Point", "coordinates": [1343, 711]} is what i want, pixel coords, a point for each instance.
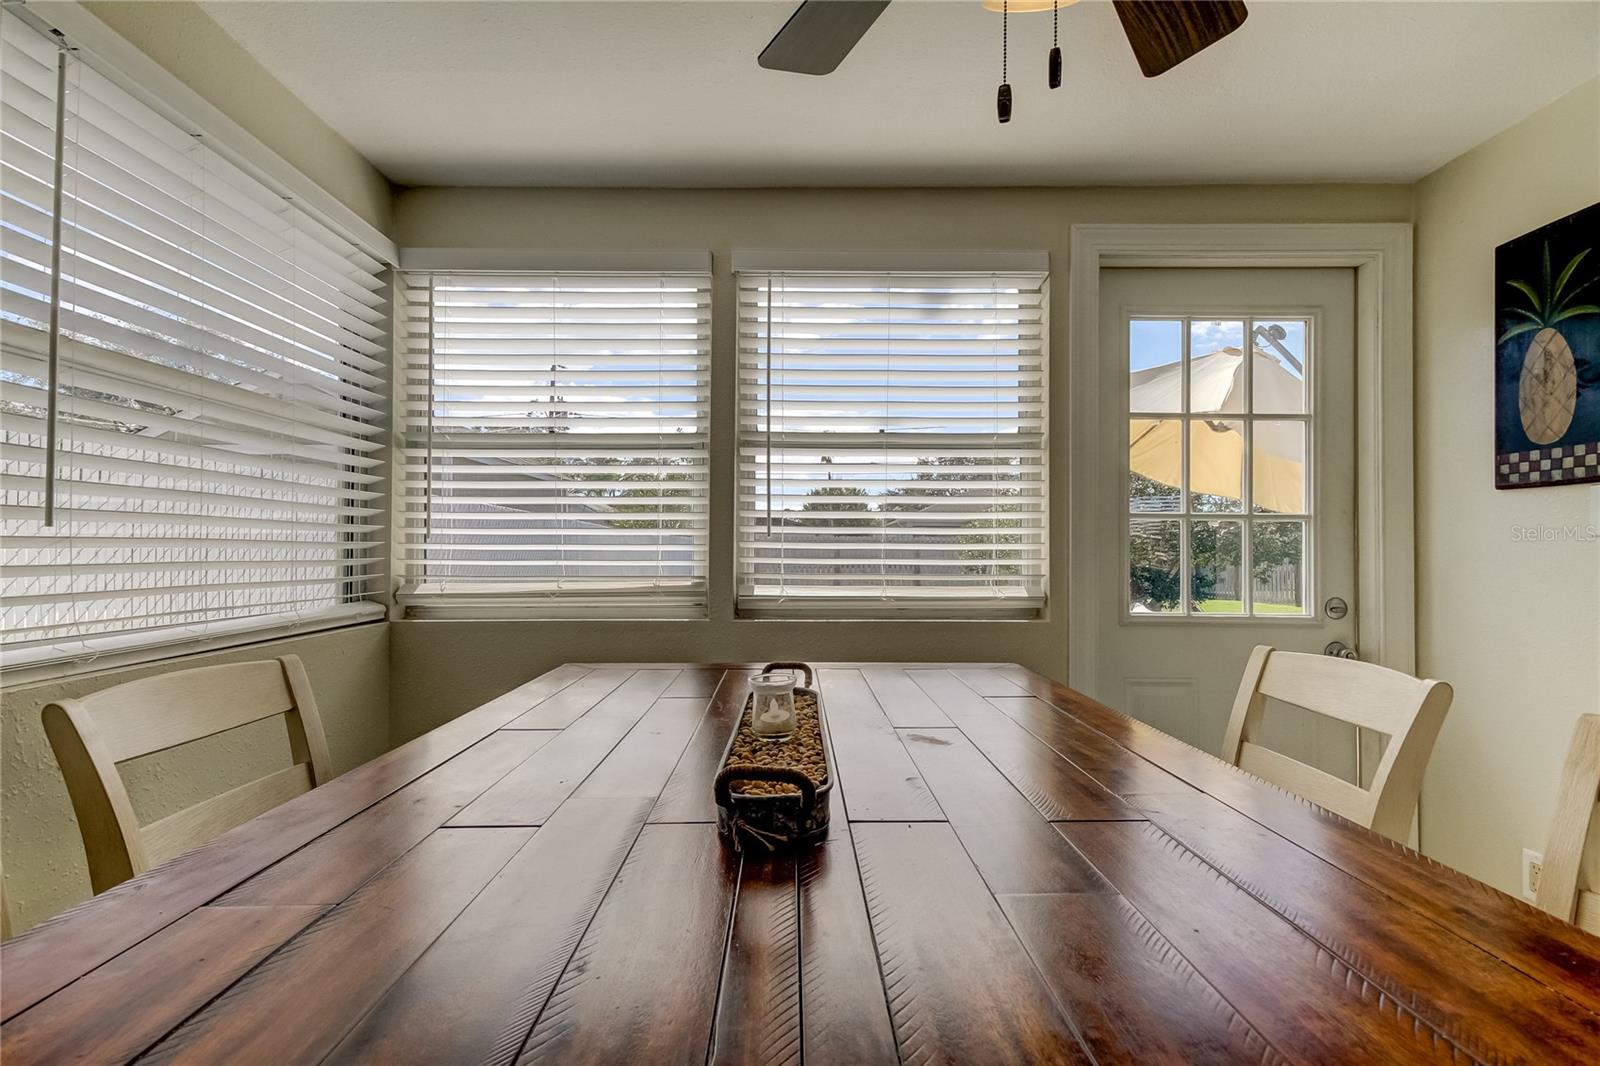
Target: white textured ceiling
{"type": "Point", "coordinates": [606, 92]}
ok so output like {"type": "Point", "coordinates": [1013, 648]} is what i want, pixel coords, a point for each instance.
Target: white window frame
{"type": "Point", "coordinates": [930, 607]}
{"type": "Point", "coordinates": [432, 600]}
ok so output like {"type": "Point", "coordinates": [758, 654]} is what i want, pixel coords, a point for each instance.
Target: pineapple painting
{"type": "Point", "coordinates": [1547, 394]}
{"type": "Point", "coordinates": [1547, 380]}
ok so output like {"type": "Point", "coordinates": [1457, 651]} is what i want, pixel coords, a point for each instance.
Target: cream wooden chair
{"type": "Point", "coordinates": [5, 911]}
{"type": "Point", "coordinates": [1407, 710]}
{"type": "Point", "coordinates": [1569, 885]}
{"type": "Point", "coordinates": [92, 735]}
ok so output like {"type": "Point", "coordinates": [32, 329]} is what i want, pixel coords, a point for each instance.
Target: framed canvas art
{"type": "Point", "coordinates": [1547, 355]}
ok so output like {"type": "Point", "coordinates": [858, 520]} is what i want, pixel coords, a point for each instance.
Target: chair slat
{"type": "Point", "coordinates": [156, 713]}
{"type": "Point", "coordinates": [1320, 787]}
{"type": "Point", "coordinates": [210, 818]}
{"type": "Point", "coordinates": [1362, 694]}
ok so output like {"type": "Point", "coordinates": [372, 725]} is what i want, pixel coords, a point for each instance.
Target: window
{"type": "Point", "coordinates": [221, 382]}
{"type": "Point", "coordinates": [1209, 430]}
{"type": "Point", "coordinates": [891, 443]}
{"type": "Point", "coordinates": [555, 439]}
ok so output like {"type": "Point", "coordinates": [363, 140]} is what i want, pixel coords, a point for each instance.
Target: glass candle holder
{"type": "Point", "coordinates": [772, 706]}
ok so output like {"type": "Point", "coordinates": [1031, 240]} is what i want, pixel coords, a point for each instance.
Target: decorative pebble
{"type": "Point", "coordinates": [802, 750]}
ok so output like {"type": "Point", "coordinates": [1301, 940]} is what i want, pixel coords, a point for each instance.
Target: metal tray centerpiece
{"type": "Point", "coordinates": [775, 794]}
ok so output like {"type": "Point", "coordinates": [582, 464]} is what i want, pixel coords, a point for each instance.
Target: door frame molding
{"type": "Point", "coordinates": [1381, 254]}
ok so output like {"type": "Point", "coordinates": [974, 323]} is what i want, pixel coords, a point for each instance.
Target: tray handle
{"type": "Point", "coordinates": [724, 782]}
{"type": "Point", "coordinates": [811, 675]}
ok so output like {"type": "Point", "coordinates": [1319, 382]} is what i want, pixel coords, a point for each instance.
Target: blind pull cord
{"type": "Point", "coordinates": [53, 371]}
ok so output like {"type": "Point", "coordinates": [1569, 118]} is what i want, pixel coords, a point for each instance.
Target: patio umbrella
{"type": "Point", "coordinates": [1216, 383]}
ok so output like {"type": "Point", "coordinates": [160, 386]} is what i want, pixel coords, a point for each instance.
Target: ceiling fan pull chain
{"type": "Point", "coordinates": [1055, 45]}
{"type": "Point", "coordinates": [1003, 98]}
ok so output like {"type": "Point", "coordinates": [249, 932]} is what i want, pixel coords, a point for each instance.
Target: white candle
{"type": "Point", "coordinates": [772, 705]}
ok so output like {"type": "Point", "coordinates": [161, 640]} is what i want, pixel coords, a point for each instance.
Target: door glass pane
{"type": "Point", "coordinates": [1216, 466]}
{"type": "Point", "coordinates": [1155, 464]}
{"type": "Point", "coordinates": [1215, 555]}
{"type": "Point", "coordinates": [1278, 467]}
{"type": "Point", "coordinates": [1279, 386]}
{"type": "Point", "coordinates": [1155, 552]}
{"type": "Point", "coordinates": [1277, 566]}
{"type": "Point", "coordinates": [1216, 366]}
{"type": "Point", "coordinates": [1155, 365]}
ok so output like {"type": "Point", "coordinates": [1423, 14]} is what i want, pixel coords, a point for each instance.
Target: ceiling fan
{"type": "Point", "coordinates": [1163, 33]}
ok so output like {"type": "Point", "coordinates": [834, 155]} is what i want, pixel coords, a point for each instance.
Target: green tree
{"type": "Point", "coordinates": [941, 477]}
{"type": "Point", "coordinates": [1153, 563]}
{"type": "Point", "coordinates": [985, 557]}
{"type": "Point", "coordinates": [638, 484]}
{"type": "Point", "coordinates": [833, 498]}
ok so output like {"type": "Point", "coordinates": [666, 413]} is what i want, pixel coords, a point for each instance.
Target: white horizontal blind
{"type": "Point", "coordinates": [555, 440]}
{"type": "Point", "coordinates": [222, 387]}
{"type": "Point", "coordinates": [891, 443]}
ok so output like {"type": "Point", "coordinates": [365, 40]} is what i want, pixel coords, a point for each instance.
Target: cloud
{"type": "Point", "coordinates": [1208, 336]}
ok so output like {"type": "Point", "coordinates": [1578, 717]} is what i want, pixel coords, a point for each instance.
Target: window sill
{"type": "Point", "coordinates": [557, 612]}
{"type": "Point", "coordinates": [531, 601]}
{"type": "Point", "coordinates": [921, 609]}
{"type": "Point", "coordinates": [49, 662]}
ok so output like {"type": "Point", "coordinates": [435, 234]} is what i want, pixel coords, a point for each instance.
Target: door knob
{"type": "Point", "coordinates": [1339, 650]}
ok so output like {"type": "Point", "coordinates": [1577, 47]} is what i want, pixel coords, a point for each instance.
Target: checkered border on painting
{"type": "Point", "coordinates": [1549, 466]}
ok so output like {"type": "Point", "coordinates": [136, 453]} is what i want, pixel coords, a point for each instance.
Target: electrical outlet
{"type": "Point", "coordinates": [1532, 867]}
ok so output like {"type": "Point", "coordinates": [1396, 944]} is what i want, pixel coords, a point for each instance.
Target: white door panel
{"type": "Point", "coordinates": [1230, 501]}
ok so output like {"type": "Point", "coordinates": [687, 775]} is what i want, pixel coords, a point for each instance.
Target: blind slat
{"type": "Point", "coordinates": [102, 238]}
{"type": "Point", "coordinates": [116, 374]}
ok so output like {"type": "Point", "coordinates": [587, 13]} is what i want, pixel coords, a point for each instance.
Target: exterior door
{"type": "Point", "coordinates": [1232, 502]}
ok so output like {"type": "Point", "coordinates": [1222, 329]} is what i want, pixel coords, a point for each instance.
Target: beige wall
{"type": "Point", "coordinates": [443, 668]}
{"type": "Point", "coordinates": [1514, 626]}
{"type": "Point", "coordinates": [184, 39]}
{"type": "Point", "coordinates": [42, 853]}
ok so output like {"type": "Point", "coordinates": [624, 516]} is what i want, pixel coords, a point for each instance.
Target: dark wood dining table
{"type": "Point", "coordinates": [1014, 873]}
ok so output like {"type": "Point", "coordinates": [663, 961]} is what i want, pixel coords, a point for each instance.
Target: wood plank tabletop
{"type": "Point", "coordinates": [1014, 873]}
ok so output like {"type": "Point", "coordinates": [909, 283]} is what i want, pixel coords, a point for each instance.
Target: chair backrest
{"type": "Point", "coordinates": [1569, 884]}
{"type": "Point", "coordinates": [1409, 711]}
{"type": "Point", "coordinates": [94, 734]}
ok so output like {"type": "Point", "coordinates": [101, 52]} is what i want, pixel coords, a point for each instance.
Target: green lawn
{"type": "Point", "coordinates": [1237, 607]}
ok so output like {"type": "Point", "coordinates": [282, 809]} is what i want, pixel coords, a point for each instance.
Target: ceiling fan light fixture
{"type": "Point", "coordinates": [1002, 99]}
{"type": "Point", "coordinates": [1055, 44]}
{"type": "Point", "coordinates": [1026, 7]}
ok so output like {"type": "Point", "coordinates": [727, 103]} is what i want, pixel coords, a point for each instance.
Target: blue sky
{"type": "Point", "coordinates": [1154, 342]}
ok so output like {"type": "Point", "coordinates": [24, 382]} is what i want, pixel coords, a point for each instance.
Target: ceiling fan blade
{"type": "Point", "coordinates": [1164, 33]}
{"type": "Point", "coordinates": [820, 34]}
